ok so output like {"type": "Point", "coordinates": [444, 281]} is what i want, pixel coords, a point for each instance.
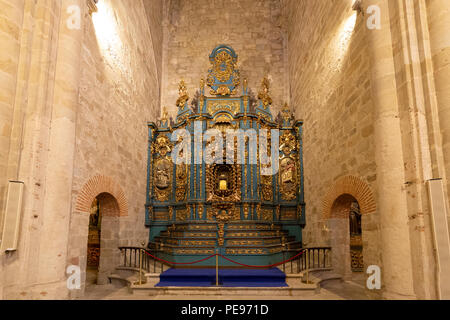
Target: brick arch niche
{"type": "Point", "coordinates": [113, 206]}
{"type": "Point", "coordinates": [353, 186]}
{"type": "Point", "coordinates": [98, 185]}
{"type": "Point", "coordinates": [336, 212]}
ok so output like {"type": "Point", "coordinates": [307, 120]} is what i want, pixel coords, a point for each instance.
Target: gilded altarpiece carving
{"type": "Point", "coordinates": [230, 207]}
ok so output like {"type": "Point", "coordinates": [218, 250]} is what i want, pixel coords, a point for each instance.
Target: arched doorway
{"type": "Point", "coordinates": [103, 239]}
{"type": "Point", "coordinates": [356, 244]}
{"type": "Point", "coordinates": [346, 236]}
{"type": "Point", "coordinates": [93, 247]}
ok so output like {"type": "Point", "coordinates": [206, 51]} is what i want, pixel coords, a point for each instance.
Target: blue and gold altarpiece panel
{"type": "Point", "coordinates": [197, 207]}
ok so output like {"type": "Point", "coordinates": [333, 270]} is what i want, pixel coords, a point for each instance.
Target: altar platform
{"type": "Point", "coordinates": [227, 278]}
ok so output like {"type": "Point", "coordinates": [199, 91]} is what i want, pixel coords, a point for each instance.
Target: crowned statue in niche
{"type": "Point", "coordinates": [162, 176]}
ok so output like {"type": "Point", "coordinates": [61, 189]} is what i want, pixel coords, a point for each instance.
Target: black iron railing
{"type": "Point", "coordinates": [141, 258]}
{"type": "Point", "coordinates": [305, 259]}
{"type": "Point", "coordinates": [294, 260]}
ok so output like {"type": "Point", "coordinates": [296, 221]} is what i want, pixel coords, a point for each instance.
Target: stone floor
{"type": "Point", "coordinates": [332, 290]}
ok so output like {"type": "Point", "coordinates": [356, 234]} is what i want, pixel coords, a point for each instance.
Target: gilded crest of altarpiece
{"type": "Point", "coordinates": [196, 209]}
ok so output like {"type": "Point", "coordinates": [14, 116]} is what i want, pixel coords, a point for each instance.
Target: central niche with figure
{"type": "Point", "coordinates": [223, 183]}
{"type": "Point", "coordinates": [223, 176]}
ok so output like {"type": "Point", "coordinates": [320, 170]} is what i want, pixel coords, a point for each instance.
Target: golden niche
{"type": "Point", "coordinates": [223, 182]}
{"type": "Point", "coordinates": [288, 180]}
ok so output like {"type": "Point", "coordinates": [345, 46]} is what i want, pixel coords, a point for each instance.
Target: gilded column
{"type": "Point", "coordinates": [397, 274]}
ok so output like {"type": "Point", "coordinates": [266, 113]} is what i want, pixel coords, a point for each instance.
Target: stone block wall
{"type": "Point", "coordinates": [194, 28]}
{"type": "Point", "coordinates": [75, 103]}
{"type": "Point", "coordinates": [119, 94]}
{"type": "Point", "coordinates": [154, 10]}
{"type": "Point", "coordinates": [331, 91]}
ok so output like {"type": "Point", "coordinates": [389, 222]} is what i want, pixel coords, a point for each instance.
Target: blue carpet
{"type": "Point", "coordinates": [227, 278]}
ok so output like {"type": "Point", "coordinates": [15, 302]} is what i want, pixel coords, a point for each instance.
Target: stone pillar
{"type": "Point", "coordinates": [438, 12]}
{"type": "Point", "coordinates": [12, 19]}
{"type": "Point", "coordinates": [439, 26]}
{"type": "Point", "coordinates": [397, 275]}
{"type": "Point", "coordinates": [53, 245]}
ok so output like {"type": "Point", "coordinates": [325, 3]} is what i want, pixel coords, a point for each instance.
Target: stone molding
{"type": "Point", "coordinates": [354, 186]}
{"type": "Point", "coordinates": [97, 185]}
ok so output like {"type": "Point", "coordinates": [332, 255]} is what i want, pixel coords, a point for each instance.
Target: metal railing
{"type": "Point", "coordinates": [310, 259]}
{"type": "Point", "coordinates": [297, 260]}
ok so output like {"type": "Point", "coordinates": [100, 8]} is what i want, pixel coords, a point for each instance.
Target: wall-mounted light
{"type": "Point", "coordinates": [92, 6]}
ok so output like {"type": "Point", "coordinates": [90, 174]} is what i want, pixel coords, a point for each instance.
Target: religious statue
{"type": "Point", "coordinates": [184, 96]}
{"type": "Point", "coordinates": [286, 115]}
{"type": "Point", "coordinates": [165, 115]}
{"type": "Point", "coordinates": [264, 92]}
{"type": "Point", "coordinates": [94, 218]}
{"type": "Point", "coordinates": [288, 171]}
{"type": "Point", "coordinates": [288, 181]}
{"type": "Point", "coordinates": [355, 219]}
{"type": "Point", "coordinates": [223, 183]}
{"type": "Point", "coordinates": [164, 120]}
{"type": "Point", "coordinates": [162, 176]}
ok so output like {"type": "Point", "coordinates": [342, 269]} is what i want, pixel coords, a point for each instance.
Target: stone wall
{"type": "Point", "coordinates": [194, 28]}
{"type": "Point", "coordinates": [74, 106]}
{"type": "Point", "coordinates": [331, 91]}
{"type": "Point", "coordinates": [119, 94]}
{"type": "Point", "coordinates": [155, 13]}
{"type": "Point", "coordinates": [41, 136]}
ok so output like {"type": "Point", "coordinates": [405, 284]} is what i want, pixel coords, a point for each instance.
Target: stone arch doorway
{"type": "Point", "coordinates": [346, 236]}
{"type": "Point", "coordinates": [93, 247]}
{"type": "Point", "coordinates": [112, 205]}
{"type": "Point", "coordinates": [345, 207]}
{"type": "Point", "coordinates": [103, 238]}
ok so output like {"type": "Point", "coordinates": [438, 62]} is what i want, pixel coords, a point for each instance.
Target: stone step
{"type": "Point", "coordinates": [150, 290]}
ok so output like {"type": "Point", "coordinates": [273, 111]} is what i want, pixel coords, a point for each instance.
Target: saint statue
{"type": "Point", "coordinates": [184, 96]}
{"type": "Point", "coordinates": [355, 219]}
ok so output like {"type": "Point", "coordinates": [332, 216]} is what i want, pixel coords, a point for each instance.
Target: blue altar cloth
{"type": "Point", "coordinates": [227, 278]}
